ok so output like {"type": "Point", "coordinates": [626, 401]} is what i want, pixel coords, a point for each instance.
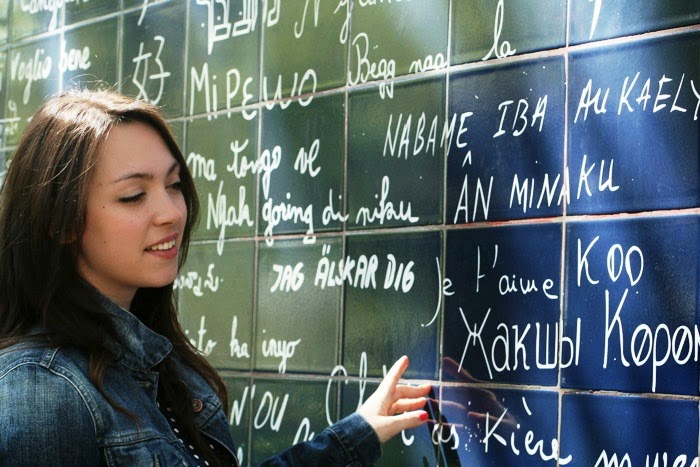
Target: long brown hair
{"type": "Point", "coordinates": [42, 220]}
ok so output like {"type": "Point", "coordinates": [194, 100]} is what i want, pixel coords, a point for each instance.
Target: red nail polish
{"type": "Point", "coordinates": [423, 416]}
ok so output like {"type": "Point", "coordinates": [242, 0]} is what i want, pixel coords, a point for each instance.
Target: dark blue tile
{"type": "Point", "coordinates": [502, 320]}
{"type": "Point", "coordinates": [632, 294]}
{"type": "Point", "coordinates": [480, 427]}
{"type": "Point", "coordinates": [506, 160]}
{"type": "Point", "coordinates": [634, 132]}
{"type": "Point", "coordinates": [629, 431]}
{"type": "Point", "coordinates": [597, 19]}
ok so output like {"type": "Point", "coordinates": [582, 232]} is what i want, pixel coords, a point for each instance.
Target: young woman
{"type": "Point", "coordinates": [95, 218]}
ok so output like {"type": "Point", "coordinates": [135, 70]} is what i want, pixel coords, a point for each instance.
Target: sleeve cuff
{"type": "Point", "coordinates": [358, 439]}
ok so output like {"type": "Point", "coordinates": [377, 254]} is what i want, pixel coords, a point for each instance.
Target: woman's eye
{"type": "Point", "coordinates": [176, 185]}
{"type": "Point", "coordinates": [132, 199]}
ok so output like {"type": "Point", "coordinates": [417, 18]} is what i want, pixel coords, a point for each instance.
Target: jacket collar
{"type": "Point", "coordinates": [136, 345]}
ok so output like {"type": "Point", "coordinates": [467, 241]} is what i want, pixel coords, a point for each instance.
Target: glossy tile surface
{"type": "Point", "coordinates": [636, 314]}
{"type": "Point", "coordinates": [634, 133]}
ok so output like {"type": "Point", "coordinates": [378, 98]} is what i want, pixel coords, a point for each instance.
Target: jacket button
{"type": "Point", "coordinates": [197, 405]}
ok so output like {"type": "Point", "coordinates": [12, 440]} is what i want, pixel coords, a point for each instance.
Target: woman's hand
{"type": "Point", "coordinates": [393, 407]}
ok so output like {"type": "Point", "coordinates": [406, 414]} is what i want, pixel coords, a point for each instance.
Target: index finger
{"type": "Point", "coordinates": [394, 374]}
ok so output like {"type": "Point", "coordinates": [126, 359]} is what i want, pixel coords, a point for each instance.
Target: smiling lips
{"type": "Point", "coordinates": [166, 250]}
{"type": "Point", "coordinates": [162, 246]}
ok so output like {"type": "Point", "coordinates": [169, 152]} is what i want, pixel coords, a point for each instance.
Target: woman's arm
{"type": "Point", "coordinates": [393, 407]}
{"type": "Point", "coordinates": [356, 440]}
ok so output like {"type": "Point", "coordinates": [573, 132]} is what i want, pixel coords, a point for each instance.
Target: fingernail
{"type": "Point", "coordinates": [423, 416]}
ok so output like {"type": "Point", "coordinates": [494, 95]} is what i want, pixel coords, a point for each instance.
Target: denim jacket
{"type": "Point", "coordinates": [51, 414]}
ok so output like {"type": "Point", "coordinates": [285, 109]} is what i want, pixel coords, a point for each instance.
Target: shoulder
{"type": "Point", "coordinates": [40, 376]}
{"type": "Point", "coordinates": [40, 391]}
{"type": "Point", "coordinates": [47, 381]}
{"type": "Point", "coordinates": [52, 362]}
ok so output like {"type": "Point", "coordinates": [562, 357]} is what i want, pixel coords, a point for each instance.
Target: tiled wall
{"type": "Point", "coordinates": [504, 190]}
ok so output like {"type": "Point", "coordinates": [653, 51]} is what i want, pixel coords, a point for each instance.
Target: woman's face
{"type": "Point", "coordinates": [135, 217]}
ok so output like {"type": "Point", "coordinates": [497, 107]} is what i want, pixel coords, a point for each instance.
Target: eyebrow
{"type": "Point", "coordinates": [144, 175]}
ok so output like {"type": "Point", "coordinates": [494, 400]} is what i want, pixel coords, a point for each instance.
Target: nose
{"type": "Point", "coordinates": [170, 208]}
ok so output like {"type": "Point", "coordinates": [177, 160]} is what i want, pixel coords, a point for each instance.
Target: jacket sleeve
{"type": "Point", "coordinates": [44, 420]}
{"type": "Point", "coordinates": [349, 442]}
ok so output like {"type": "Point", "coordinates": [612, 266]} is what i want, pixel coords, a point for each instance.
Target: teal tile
{"type": "Point", "coordinates": [86, 10]}
{"type": "Point", "coordinates": [88, 58]}
{"type": "Point", "coordinates": [486, 29]}
{"type": "Point", "coordinates": [285, 413]}
{"type": "Point", "coordinates": [218, 326]}
{"type": "Point", "coordinates": [297, 324]}
{"type": "Point", "coordinates": [152, 56]}
{"type": "Point", "coordinates": [221, 155]}
{"type": "Point", "coordinates": [241, 394]}
{"type": "Point", "coordinates": [395, 38]}
{"type": "Point", "coordinates": [304, 49]}
{"type": "Point", "coordinates": [396, 153]}
{"type": "Point", "coordinates": [223, 58]}
{"type": "Point", "coordinates": [31, 18]}
{"type": "Point", "coordinates": [301, 189]}
{"type": "Point", "coordinates": [33, 75]}
{"type": "Point", "coordinates": [391, 300]}
{"type": "Point", "coordinates": [4, 10]}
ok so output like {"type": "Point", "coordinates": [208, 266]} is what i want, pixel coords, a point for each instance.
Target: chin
{"type": "Point", "coordinates": [165, 281]}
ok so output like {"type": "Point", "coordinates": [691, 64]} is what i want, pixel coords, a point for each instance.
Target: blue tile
{"type": "Point", "coordinates": [634, 132]}
{"type": "Point", "coordinates": [507, 157]}
{"type": "Point", "coordinates": [502, 321]}
{"type": "Point", "coordinates": [632, 289]}
{"type": "Point", "coordinates": [595, 20]}
{"type": "Point", "coordinates": [636, 431]}
{"type": "Point", "coordinates": [483, 427]}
